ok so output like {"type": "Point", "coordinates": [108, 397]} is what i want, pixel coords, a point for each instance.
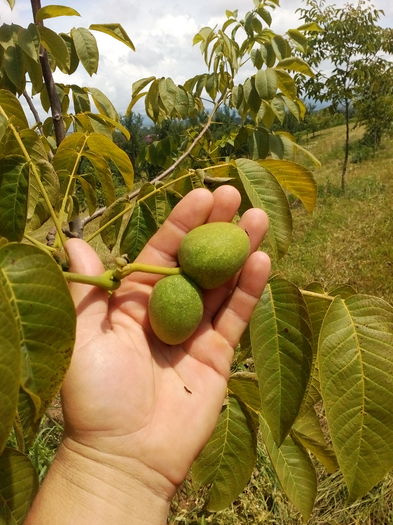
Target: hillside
{"type": "Point", "coordinates": [348, 238]}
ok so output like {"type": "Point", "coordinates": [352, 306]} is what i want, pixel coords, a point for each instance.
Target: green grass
{"type": "Point", "coordinates": [348, 237]}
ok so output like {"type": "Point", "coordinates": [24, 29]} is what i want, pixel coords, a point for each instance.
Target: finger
{"type": "Point", "coordinates": [226, 203]}
{"type": "Point", "coordinates": [234, 316]}
{"type": "Point", "coordinates": [161, 249]}
{"type": "Point", "coordinates": [255, 222]}
{"type": "Point", "coordinates": [89, 300]}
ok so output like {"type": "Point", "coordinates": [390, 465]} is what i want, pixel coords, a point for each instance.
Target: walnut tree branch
{"type": "Point", "coordinates": [171, 168]}
{"type": "Point", "coordinates": [55, 104]}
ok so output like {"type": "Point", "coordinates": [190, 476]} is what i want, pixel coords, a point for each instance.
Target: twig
{"type": "Point", "coordinates": [33, 110]}
{"type": "Point", "coordinates": [168, 171]}
{"type": "Point", "coordinates": [55, 104]}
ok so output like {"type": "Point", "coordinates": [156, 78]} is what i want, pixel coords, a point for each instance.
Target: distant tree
{"type": "Point", "coordinates": [374, 102]}
{"type": "Point", "coordinates": [350, 40]}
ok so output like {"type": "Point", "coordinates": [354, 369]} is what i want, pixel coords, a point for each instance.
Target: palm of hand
{"type": "Point", "coordinates": [130, 395]}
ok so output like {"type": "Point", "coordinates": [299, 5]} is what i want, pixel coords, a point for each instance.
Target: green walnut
{"type": "Point", "coordinates": [175, 309]}
{"type": "Point", "coordinates": [212, 253]}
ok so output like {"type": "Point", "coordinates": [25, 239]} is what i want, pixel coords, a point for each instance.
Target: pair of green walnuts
{"type": "Point", "coordinates": [209, 255]}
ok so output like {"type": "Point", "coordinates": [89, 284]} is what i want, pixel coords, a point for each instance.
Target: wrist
{"type": "Point", "coordinates": [94, 487]}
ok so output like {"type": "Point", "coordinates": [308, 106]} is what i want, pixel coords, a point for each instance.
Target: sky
{"type": "Point", "coordinates": [162, 32]}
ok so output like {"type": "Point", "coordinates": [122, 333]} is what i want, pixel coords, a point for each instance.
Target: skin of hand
{"type": "Point", "coordinates": [132, 402]}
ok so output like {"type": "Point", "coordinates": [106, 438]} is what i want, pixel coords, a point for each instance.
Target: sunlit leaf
{"type": "Point", "coordinates": [13, 109]}
{"type": "Point", "coordinates": [55, 45]}
{"type": "Point", "coordinates": [355, 358]}
{"type": "Point", "coordinates": [266, 83]}
{"type": "Point", "coordinates": [115, 31]}
{"type": "Point", "coordinates": [295, 178]}
{"type": "Point", "coordinates": [282, 349]}
{"type": "Point", "coordinates": [86, 48]}
{"type": "Point", "coordinates": [228, 459]}
{"type": "Point", "coordinates": [295, 64]}
{"type": "Point", "coordinates": [103, 104]}
{"type": "Point", "coordinates": [44, 312]}
{"type": "Point", "coordinates": [106, 148]}
{"type": "Point", "coordinates": [52, 11]}
{"type": "Point", "coordinates": [263, 191]}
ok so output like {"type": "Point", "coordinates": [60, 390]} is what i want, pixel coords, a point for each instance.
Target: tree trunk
{"type": "Point", "coordinates": [346, 151]}
{"type": "Point", "coordinates": [55, 104]}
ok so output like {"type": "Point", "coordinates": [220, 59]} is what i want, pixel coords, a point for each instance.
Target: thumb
{"type": "Point", "coordinates": [89, 300]}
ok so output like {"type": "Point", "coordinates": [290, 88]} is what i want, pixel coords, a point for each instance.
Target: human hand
{"type": "Point", "coordinates": [132, 402]}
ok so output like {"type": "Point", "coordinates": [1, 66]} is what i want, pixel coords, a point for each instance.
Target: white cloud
{"type": "Point", "coordinates": [161, 31]}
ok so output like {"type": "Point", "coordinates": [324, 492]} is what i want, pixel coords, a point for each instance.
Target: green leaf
{"type": "Point", "coordinates": [80, 99]}
{"type": "Point", "coordinates": [356, 372]}
{"type": "Point", "coordinates": [104, 147]}
{"type": "Point", "coordinates": [18, 484]}
{"type": "Point", "coordinates": [282, 350]}
{"type": "Point", "coordinates": [29, 41]}
{"type": "Point", "coordinates": [74, 60]}
{"type": "Point", "coordinates": [10, 365]}
{"type": "Point", "coordinates": [56, 46]}
{"type": "Point", "coordinates": [295, 178]}
{"type": "Point", "coordinates": [263, 191]}
{"type": "Point", "coordinates": [89, 193]}
{"type": "Point", "coordinates": [228, 459]}
{"type": "Point", "coordinates": [103, 174]}
{"type": "Point", "coordinates": [266, 83]}
{"type": "Point", "coordinates": [295, 152]}
{"type": "Point", "coordinates": [102, 103]}
{"type": "Point", "coordinates": [286, 84]}
{"type": "Point", "coordinates": [109, 124]}
{"type": "Point", "coordinates": [140, 227]}
{"type": "Point", "coordinates": [86, 48]}
{"type": "Point", "coordinates": [158, 202]}
{"type": "Point", "coordinates": [294, 469]}
{"type": "Point", "coordinates": [307, 429]}
{"type": "Point", "coordinates": [13, 109]}
{"type": "Point", "coordinates": [43, 309]}
{"type": "Point", "coordinates": [13, 67]}
{"type": "Point", "coordinates": [295, 64]}
{"type": "Point", "coordinates": [244, 386]}
{"type": "Point", "coordinates": [115, 31]}
{"type": "Point", "coordinates": [52, 11]}
{"type": "Point", "coordinates": [280, 47]}
{"type": "Point", "coordinates": [168, 91]}
{"type": "Point", "coordinates": [140, 84]}
{"type": "Point", "coordinates": [14, 183]}
{"type": "Point", "coordinates": [111, 232]}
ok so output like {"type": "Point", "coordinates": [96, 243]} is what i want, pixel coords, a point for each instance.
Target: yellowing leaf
{"type": "Point", "coordinates": [115, 31]}
{"type": "Point", "coordinates": [295, 178]}
{"type": "Point", "coordinates": [52, 11]}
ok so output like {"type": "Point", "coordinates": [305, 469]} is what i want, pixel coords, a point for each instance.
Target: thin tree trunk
{"type": "Point", "coordinates": [55, 104]}
{"type": "Point", "coordinates": [346, 152]}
